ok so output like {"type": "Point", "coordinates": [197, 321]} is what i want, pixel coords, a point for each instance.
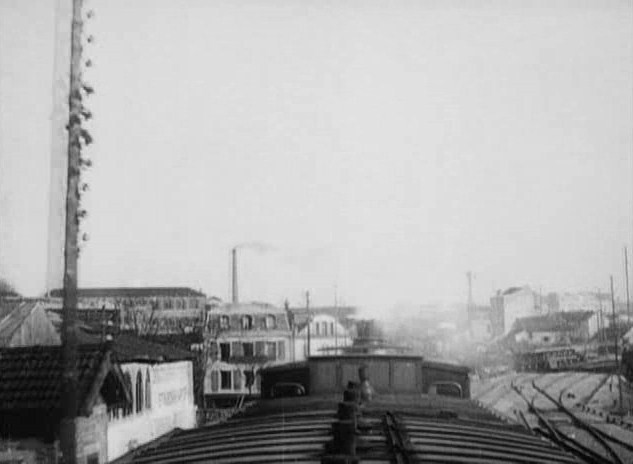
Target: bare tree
{"type": "Point", "coordinates": [7, 289]}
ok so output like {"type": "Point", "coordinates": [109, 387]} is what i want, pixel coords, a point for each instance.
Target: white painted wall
{"type": "Point", "coordinates": [334, 335]}
{"type": "Point", "coordinates": [172, 406]}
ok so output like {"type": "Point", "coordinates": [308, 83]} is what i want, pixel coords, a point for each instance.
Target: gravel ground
{"type": "Point", "coordinates": [598, 392]}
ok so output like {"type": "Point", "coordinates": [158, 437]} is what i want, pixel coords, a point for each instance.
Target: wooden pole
{"type": "Point", "coordinates": [336, 320]}
{"type": "Point", "coordinates": [600, 319]}
{"type": "Point", "coordinates": [615, 326]}
{"type": "Point", "coordinates": [69, 332]}
{"type": "Point", "coordinates": [309, 321]}
{"type": "Point", "coordinates": [626, 276]}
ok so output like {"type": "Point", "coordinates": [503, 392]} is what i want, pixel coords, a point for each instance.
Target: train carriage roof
{"type": "Point", "coordinates": [426, 429]}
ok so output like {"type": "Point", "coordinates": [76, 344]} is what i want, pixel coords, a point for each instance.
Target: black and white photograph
{"type": "Point", "coordinates": [316, 231]}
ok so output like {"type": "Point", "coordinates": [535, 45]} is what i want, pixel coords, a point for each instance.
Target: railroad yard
{"type": "Point", "coordinates": [578, 405]}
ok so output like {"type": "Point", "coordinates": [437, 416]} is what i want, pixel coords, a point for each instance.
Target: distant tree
{"type": "Point", "coordinates": [6, 289]}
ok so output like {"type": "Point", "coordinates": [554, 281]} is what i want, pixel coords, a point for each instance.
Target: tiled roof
{"type": "Point", "coordinates": [430, 429]}
{"type": "Point", "coordinates": [132, 292]}
{"type": "Point", "coordinates": [31, 377]}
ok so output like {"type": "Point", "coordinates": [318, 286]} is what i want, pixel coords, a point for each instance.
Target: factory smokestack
{"type": "Point", "coordinates": [234, 297]}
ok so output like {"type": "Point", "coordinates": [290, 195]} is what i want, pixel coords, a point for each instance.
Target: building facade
{"type": "Point", "coordinates": [142, 310]}
{"type": "Point", "coordinates": [326, 337]}
{"type": "Point", "coordinates": [241, 340]}
{"type": "Point", "coordinates": [514, 303]}
{"type": "Point", "coordinates": [138, 297]}
{"type": "Point", "coordinates": [162, 400]}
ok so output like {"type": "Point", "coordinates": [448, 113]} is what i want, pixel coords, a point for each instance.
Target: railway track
{"type": "Point", "coordinates": [590, 439]}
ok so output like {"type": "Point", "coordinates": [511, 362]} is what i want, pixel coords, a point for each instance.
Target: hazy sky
{"type": "Point", "coordinates": [381, 147]}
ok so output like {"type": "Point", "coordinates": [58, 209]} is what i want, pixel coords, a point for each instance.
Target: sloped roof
{"type": "Point", "coordinates": [258, 313]}
{"type": "Point", "coordinates": [31, 377]}
{"type": "Point", "coordinates": [512, 290]}
{"type": "Point", "coordinates": [132, 292]}
{"type": "Point", "coordinates": [555, 322]}
{"type": "Point", "coordinates": [12, 316]}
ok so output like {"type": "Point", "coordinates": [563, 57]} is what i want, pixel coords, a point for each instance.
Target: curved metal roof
{"type": "Point", "coordinates": [395, 429]}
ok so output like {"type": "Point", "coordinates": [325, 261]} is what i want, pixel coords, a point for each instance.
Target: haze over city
{"type": "Point", "coordinates": [376, 150]}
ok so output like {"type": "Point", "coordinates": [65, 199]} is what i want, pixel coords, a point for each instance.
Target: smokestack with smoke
{"type": "Point", "coordinates": [259, 247]}
{"type": "Point", "coordinates": [234, 297]}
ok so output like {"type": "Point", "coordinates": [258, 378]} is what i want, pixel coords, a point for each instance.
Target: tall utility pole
{"type": "Point", "coordinates": [469, 276]}
{"type": "Point", "coordinates": [309, 320]}
{"type": "Point", "coordinates": [69, 331]}
{"type": "Point", "coordinates": [615, 326]}
{"type": "Point", "coordinates": [234, 295]}
{"type": "Point", "coordinates": [336, 320]}
{"type": "Point", "coordinates": [626, 276]}
{"type": "Point", "coordinates": [600, 319]}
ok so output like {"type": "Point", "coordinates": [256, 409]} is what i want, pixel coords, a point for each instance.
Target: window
{"type": "Point", "coordinates": [324, 324]}
{"type": "Point", "coordinates": [225, 351]}
{"type": "Point", "coordinates": [91, 459]}
{"type": "Point", "coordinates": [148, 391]}
{"type": "Point", "coordinates": [270, 322]}
{"type": "Point", "coordinates": [318, 328]}
{"type": "Point", "coordinates": [247, 322]}
{"type": "Point", "coordinates": [331, 328]}
{"type": "Point", "coordinates": [247, 348]}
{"type": "Point", "coordinates": [168, 303]}
{"type": "Point", "coordinates": [225, 380]}
{"type": "Point", "coordinates": [224, 322]}
{"type": "Point", "coordinates": [139, 391]}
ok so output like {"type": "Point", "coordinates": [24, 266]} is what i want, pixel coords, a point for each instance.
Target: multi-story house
{"type": "Point", "coordinates": [327, 336]}
{"type": "Point", "coordinates": [514, 303]}
{"type": "Point", "coordinates": [330, 330]}
{"type": "Point", "coordinates": [242, 339]}
{"type": "Point", "coordinates": [138, 297]}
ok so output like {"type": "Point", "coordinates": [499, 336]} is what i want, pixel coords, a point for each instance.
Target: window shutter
{"type": "Point", "coordinates": [259, 348]}
{"type": "Point", "coordinates": [214, 380]}
{"type": "Point", "coordinates": [236, 350]}
{"type": "Point", "coordinates": [237, 379]}
{"type": "Point", "coordinates": [281, 350]}
{"type": "Point", "coordinates": [214, 352]}
{"type": "Point", "coordinates": [271, 351]}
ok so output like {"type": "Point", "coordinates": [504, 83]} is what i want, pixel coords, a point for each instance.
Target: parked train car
{"type": "Point", "coordinates": [362, 408]}
{"type": "Point", "coordinates": [549, 359]}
